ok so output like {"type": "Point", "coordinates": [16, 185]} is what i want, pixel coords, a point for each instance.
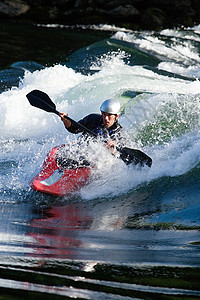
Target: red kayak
{"type": "Point", "coordinates": [61, 178]}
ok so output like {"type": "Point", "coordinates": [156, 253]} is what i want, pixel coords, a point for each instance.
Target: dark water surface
{"type": "Point", "coordinates": [129, 234]}
{"type": "Point", "coordinates": [46, 46]}
{"type": "Point", "coordinates": [32, 47]}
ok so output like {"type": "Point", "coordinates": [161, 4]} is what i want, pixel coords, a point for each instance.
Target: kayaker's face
{"type": "Point", "coordinates": [109, 119]}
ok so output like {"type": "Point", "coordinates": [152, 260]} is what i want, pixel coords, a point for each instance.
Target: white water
{"type": "Point", "coordinates": [168, 107]}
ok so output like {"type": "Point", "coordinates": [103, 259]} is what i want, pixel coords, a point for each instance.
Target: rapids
{"type": "Point", "coordinates": [131, 220]}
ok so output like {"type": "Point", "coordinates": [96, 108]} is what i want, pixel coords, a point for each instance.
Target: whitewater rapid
{"type": "Point", "coordinates": [160, 113]}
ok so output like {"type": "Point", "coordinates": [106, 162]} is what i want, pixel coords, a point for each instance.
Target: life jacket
{"type": "Point", "coordinates": [107, 132]}
{"type": "Point", "coordinates": [94, 122]}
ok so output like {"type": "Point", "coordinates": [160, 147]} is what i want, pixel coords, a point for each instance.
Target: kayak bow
{"type": "Point", "coordinates": [59, 180]}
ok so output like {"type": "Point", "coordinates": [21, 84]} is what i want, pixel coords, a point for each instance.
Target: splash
{"type": "Point", "coordinates": [160, 113]}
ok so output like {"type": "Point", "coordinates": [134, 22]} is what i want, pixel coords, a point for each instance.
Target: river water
{"type": "Point", "coordinates": [130, 233]}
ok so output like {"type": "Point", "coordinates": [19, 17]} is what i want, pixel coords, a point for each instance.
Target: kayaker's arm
{"type": "Point", "coordinates": [71, 127]}
{"type": "Point", "coordinates": [89, 121]}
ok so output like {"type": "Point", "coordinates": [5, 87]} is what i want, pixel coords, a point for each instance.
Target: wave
{"type": "Point", "coordinates": [160, 112]}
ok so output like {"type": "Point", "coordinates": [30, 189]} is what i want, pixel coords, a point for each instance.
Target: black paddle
{"type": "Point", "coordinates": [41, 100]}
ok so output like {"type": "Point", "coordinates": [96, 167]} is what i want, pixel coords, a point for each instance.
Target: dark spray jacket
{"type": "Point", "coordinates": [94, 122]}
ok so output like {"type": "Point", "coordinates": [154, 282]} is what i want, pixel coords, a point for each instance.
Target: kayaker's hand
{"type": "Point", "coordinates": [66, 122]}
{"type": "Point", "coordinates": [110, 145]}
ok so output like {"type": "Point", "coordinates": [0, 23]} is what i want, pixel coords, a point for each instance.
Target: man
{"type": "Point", "coordinates": [104, 125]}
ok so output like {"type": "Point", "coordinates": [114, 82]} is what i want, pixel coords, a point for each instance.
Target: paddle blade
{"type": "Point", "coordinates": [135, 156]}
{"type": "Point", "coordinates": [41, 100]}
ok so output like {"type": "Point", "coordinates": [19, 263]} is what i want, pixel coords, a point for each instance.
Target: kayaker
{"type": "Point", "coordinates": [105, 124]}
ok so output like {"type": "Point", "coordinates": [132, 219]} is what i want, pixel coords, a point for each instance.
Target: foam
{"type": "Point", "coordinates": [28, 133]}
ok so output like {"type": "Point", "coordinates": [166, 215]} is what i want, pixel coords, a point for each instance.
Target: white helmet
{"type": "Point", "coordinates": [111, 107]}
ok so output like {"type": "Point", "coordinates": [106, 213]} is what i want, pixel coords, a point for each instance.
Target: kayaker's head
{"type": "Point", "coordinates": [110, 110]}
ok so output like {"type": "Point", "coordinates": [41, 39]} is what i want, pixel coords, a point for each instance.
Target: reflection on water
{"type": "Point", "coordinates": [100, 230]}
{"type": "Point", "coordinates": [86, 250]}
{"type": "Point", "coordinates": [56, 234]}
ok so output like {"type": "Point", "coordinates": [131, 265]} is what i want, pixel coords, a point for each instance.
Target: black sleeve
{"type": "Point", "coordinates": [90, 122]}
